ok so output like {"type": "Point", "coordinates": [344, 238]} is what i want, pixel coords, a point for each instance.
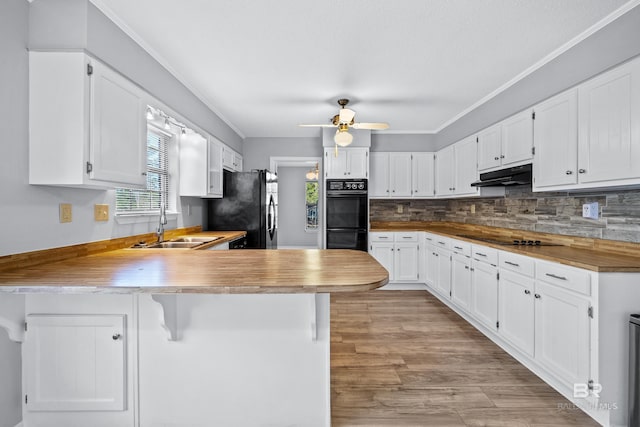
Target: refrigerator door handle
{"type": "Point", "coordinates": [271, 223]}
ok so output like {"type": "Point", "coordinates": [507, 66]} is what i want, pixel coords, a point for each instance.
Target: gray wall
{"type": "Point", "coordinates": [604, 49]}
{"type": "Point", "coordinates": [520, 209]}
{"type": "Point", "coordinates": [258, 151]}
{"type": "Point", "coordinates": [403, 142]}
{"type": "Point", "coordinates": [291, 208]}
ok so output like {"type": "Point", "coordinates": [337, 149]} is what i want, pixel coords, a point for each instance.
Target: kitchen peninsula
{"type": "Point", "coordinates": [180, 337]}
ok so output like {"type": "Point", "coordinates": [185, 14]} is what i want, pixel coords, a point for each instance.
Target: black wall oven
{"type": "Point", "coordinates": [347, 214]}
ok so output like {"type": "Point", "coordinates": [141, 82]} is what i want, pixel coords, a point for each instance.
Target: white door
{"type": "Point", "coordinates": [406, 262]}
{"type": "Point", "coordinates": [75, 363]}
{"type": "Point", "coordinates": [484, 294]}
{"type": "Point", "coordinates": [423, 174]}
{"type": "Point", "coordinates": [379, 181]}
{"type": "Point", "coordinates": [609, 125]}
{"type": "Point", "coordinates": [516, 310]}
{"type": "Point", "coordinates": [118, 140]}
{"type": "Point", "coordinates": [517, 138]}
{"type": "Point", "coordinates": [384, 254]}
{"type": "Point", "coordinates": [400, 174]}
{"type": "Point", "coordinates": [357, 162]}
{"type": "Point", "coordinates": [489, 147]}
{"type": "Point", "coordinates": [562, 333]}
{"type": "Point", "coordinates": [461, 281]}
{"type": "Point", "coordinates": [466, 166]}
{"type": "Point", "coordinates": [555, 139]}
{"type": "Point", "coordinates": [335, 163]}
{"type": "Point", "coordinates": [443, 279]}
{"type": "Point", "coordinates": [444, 171]}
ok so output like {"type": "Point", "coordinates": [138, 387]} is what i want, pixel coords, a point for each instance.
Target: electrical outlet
{"type": "Point", "coordinates": [590, 210]}
{"type": "Point", "coordinates": [101, 212]}
{"type": "Point", "coordinates": [473, 209]}
{"type": "Point", "coordinates": [65, 212]}
{"type": "Point", "coordinates": [400, 208]}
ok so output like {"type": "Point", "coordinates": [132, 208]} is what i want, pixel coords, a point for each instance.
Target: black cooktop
{"type": "Point", "coordinates": [515, 242]}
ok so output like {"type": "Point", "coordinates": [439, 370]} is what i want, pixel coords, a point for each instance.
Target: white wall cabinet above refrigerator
{"type": "Point", "coordinates": [87, 124]}
{"type": "Point", "coordinates": [231, 160]}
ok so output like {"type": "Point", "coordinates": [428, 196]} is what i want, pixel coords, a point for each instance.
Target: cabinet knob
{"type": "Point", "coordinates": [496, 158]}
{"type": "Point", "coordinates": [527, 292]}
{"type": "Point", "coordinates": [502, 156]}
{"type": "Point", "coordinates": [116, 337]}
{"type": "Point", "coordinates": [144, 174]}
{"type": "Point", "coordinates": [582, 171]}
{"type": "Point", "coordinates": [537, 296]}
{"type": "Point", "coordinates": [569, 172]}
{"type": "Point", "coordinates": [393, 191]}
{"type": "Point", "coordinates": [387, 191]}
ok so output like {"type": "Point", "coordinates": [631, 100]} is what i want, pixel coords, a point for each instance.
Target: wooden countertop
{"type": "Point", "coordinates": [590, 254]}
{"type": "Point", "coordinates": [201, 271]}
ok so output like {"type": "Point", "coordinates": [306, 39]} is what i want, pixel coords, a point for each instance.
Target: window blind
{"type": "Point", "coordinates": [138, 200]}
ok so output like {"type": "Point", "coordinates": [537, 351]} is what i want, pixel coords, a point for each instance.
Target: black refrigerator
{"type": "Point", "coordinates": [249, 203]}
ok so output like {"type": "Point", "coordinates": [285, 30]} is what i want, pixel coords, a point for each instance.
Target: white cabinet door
{"type": "Point", "coordinates": [423, 174]}
{"type": "Point", "coordinates": [406, 262]}
{"type": "Point", "coordinates": [484, 295]}
{"type": "Point", "coordinates": [444, 171]}
{"type": "Point", "coordinates": [517, 139]}
{"type": "Point", "coordinates": [431, 267]}
{"type": "Point", "coordinates": [75, 363]}
{"type": "Point", "coordinates": [466, 166]}
{"type": "Point", "coordinates": [237, 162]}
{"type": "Point", "coordinates": [384, 254]}
{"type": "Point", "coordinates": [118, 132]}
{"type": "Point", "coordinates": [609, 125]}
{"type": "Point", "coordinates": [461, 281]}
{"type": "Point", "coordinates": [357, 162]}
{"type": "Point", "coordinates": [400, 174]}
{"type": "Point", "coordinates": [215, 175]}
{"type": "Point", "coordinates": [443, 278]}
{"type": "Point", "coordinates": [516, 311]}
{"type": "Point", "coordinates": [379, 181]}
{"type": "Point", "coordinates": [335, 163]}
{"type": "Point", "coordinates": [193, 165]}
{"type": "Point", "coordinates": [489, 147]}
{"type": "Point", "coordinates": [562, 333]}
{"type": "Point", "coordinates": [556, 141]}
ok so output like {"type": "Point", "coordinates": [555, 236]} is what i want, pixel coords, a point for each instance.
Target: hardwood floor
{"type": "Point", "coordinates": [402, 358]}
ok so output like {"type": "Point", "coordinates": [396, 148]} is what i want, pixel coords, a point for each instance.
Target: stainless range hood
{"type": "Point", "coordinates": [516, 175]}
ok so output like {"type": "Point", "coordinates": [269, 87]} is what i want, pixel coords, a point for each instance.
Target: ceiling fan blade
{"type": "Point", "coordinates": [318, 126]}
{"type": "Point", "coordinates": [374, 126]}
{"type": "Point", "coordinates": [346, 115]}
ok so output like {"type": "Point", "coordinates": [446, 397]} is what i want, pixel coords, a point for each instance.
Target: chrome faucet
{"type": "Point", "coordinates": [163, 221]}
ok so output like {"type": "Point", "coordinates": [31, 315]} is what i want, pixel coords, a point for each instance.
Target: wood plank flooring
{"type": "Point", "coordinates": [402, 358]}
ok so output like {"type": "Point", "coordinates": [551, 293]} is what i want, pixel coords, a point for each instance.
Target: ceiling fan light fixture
{"type": "Point", "coordinates": [343, 138]}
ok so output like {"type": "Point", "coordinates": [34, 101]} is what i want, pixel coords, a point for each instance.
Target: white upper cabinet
{"type": "Point", "coordinates": [200, 166]}
{"type": "Point", "coordinates": [401, 175]}
{"type": "Point", "coordinates": [508, 143]}
{"type": "Point", "coordinates": [489, 147]}
{"type": "Point", "coordinates": [423, 174]}
{"type": "Point", "coordinates": [87, 125]}
{"type": "Point", "coordinates": [445, 172]}
{"type": "Point", "coordinates": [352, 163]}
{"type": "Point", "coordinates": [231, 160]}
{"type": "Point", "coordinates": [456, 169]}
{"type": "Point", "coordinates": [609, 126]}
{"type": "Point", "coordinates": [556, 141]}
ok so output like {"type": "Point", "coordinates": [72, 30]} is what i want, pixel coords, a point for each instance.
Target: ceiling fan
{"type": "Point", "coordinates": [344, 120]}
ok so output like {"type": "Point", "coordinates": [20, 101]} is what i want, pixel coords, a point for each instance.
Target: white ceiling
{"type": "Point", "coordinates": [266, 66]}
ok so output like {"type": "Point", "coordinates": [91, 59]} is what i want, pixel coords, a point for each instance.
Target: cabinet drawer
{"type": "Point", "coordinates": [462, 248]}
{"type": "Point", "coordinates": [518, 263]}
{"type": "Point", "coordinates": [381, 236]}
{"type": "Point", "coordinates": [566, 277]}
{"type": "Point", "coordinates": [411, 236]}
{"type": "Point", "coordinates": [441, 242]}
{"type": "Point", "coordinates": [484, 254]}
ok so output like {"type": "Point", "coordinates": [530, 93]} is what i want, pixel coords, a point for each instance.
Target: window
{"type": "Point", "coordinates": [149, 200]}
{"type": "Point", "coordinates": [311, 200]}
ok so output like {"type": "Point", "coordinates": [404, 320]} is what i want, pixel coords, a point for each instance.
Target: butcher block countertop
{"type": "Point", "coordinates": [587, 253]}
{"type": "Point", "coordinates": [246, 271]}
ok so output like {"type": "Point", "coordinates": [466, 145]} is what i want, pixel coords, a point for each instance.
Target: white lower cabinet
{"type": "Point", "coordinates": [443, 271]}
{"type": "Point", "coordinates": [398, 253]}
{"type": "Point", "coordinates": [516, 311]}
{"type": "Point", "coordinates": [484, 295]}
{"type": "Point", "coordinates": [461, 280]}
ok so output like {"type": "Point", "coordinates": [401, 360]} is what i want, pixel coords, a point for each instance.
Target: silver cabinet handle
{"type": "Point", "coordinates": [116, 337]}
{"type": "Point", "coordinates": [383, 237]}
{"type": "Point", "coordinates": [478, 253]}
{"type": "Point", "coordinates": [442, 243]}
{"type": "Point", "coordinates": [512, 263]}
{"type": "Point", "coordinates": [527, 292]}
{"type": "Point", "coordinates": [582, 171]}
{"type": "Point", "coordinates": [537, 296]}
{"type": "Point", "coordinates": [466, 267]}
{"type": "Point", "coordinates": [407, 237]}
{"type": "Point", "coordinates": [569, 172]}
{"type": "Point", "coordinates": [556, 277]}
{"type": "Point", "coordinates": [457, 247]}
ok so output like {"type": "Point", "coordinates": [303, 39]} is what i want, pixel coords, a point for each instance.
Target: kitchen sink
{"type": "Point", "coordinates": [184, 242]}
{"type": "Point", "coordinates": [199, 240]}
{"type": "Point", "coordinates": [174, 245]}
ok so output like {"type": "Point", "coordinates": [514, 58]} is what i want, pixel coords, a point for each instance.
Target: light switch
{"type": "Point", "coordinates": [400, 208]}
{"type": "Point", "coordinates": [65, 212]}
{"type": "Point", "coordinates": [101, 212]}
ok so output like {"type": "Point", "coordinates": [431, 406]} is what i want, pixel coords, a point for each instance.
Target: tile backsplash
{"type": "Point", "coordinates": [557, 212]}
